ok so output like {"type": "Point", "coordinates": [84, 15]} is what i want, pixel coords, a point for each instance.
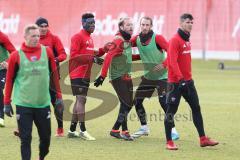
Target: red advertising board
{"type": "Point", "coordinates": [216, 23]}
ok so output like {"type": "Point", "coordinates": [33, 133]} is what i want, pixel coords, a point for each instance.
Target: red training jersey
{"type": "Point", "coordinates": [53, 42]}
{"type": "Point", "coordinates": [5, 42]}
{"type": "Point", "coordinates": [179, 59]}
{"type": "Point", "coordinates": [81, 55]}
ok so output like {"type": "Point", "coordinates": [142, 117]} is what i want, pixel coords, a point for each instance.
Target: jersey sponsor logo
{"type": "Point", "coordinates": [186, 48]}
{"type": "Point", "coordinates": [90, 49]}
{"type": "Point", "coordinates": [186, 52]}
{"type": "Point", "coordinates": [35, 72]}
{"type": "Point", "coordinates": [89, 42]}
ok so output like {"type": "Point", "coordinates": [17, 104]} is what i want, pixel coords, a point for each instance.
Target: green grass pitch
{"type": "Point", "coordinates": [219, 93]}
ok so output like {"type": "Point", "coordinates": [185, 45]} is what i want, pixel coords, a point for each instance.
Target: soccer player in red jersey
{"type": "Point", "coordinates": [6, 47]}
{"type": "Point", "coordinates": [119, 63]}
{"type": "Point", "coordinates": [181, 82]}
{"type": "Point", "coordinates": [82, 56]}
{"type": "Point", "coordinates": [52, 41]}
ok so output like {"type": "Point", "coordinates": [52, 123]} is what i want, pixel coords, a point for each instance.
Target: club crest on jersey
{"type": "Point", "coordinates": [89, 42]}
{"type": "Point", "coordinates": [187, 48]}
{"type": "Point", "coordinates": [33, 58]}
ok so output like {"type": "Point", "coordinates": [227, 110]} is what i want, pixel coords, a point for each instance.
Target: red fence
{"type": "Point", "coordinates": [216, 22]}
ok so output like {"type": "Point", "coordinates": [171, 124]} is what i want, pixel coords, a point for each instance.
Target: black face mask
{"type": "Point", "coordinates": [145, 37]}
{"type": "Point", "coordinates": [88, 23]}
{"type": "Point", "coordinates": [185, 36]}
{"type": "Point", "coordinates": [126, 36]}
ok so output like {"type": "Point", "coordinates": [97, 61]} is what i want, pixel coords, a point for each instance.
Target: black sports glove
{"type": "Point", "coordinates": [8, 110]}
{"type": "Point", "coordinates": [59, 106]}
{"type": "Point", "coordinates": [99, 81]}
{"type": "Point", "coordinates": [56, 60]}
{"type": "Point", "coordinates": [98, 60]}
{"type": "Point", "coordinates": [183, 86]}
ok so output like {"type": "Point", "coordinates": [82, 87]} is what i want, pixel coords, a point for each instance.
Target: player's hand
{"type": "Point", "coordinates": [4, 65]}
{"type": "Point", "coordinates": [8, 110]}
{"type": "Point", "coordinates": [59, 106]}
{"type": "Point", "coordinates": [98, 60]}
{"type": "Point", "coordinates": [56, 60]}
{"type": "Point", "coordinates": [95, 51]}
{"type": "Point", "coordinates": [158, 68]}
{"type": "Point", "coordinates": [99, 81]}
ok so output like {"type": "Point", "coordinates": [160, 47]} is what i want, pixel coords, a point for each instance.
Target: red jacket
{"type": "Point", "coordinates": [6, 42]}
{"type": "Point", "coordinates": [116, 49]}
{"type": "Point", "coordinates": [179, 59]}
{"type": "Point", "coordinates": [13, 66]}
{"type": "Point", "coordinates": [55, 44]}
{"type": "Point", "coordinates": [81, 55]}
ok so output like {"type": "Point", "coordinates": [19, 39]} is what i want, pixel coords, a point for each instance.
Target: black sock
{"type": "Point", "coordinates": [82, 126]}
{"type": "Point", "coordinates": [122, 117]}
{"type": "Point", "coordinates": [60, 123]}
{"type": "Point", "coordinates": [141, 111]}
{"type": "Point", "coordinates": [1, 104]}
{"type": "Point", "coordinates": [73, 126]}
{"type": "Point", "coordinates": [124, 125]}
{"type": "Point", "coordinates": [116, 126]}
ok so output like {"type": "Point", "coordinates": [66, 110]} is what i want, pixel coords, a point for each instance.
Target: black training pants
{"type": "Point", "coordinates": [173, 99]}
{"type": "Point", "coordinates": [25, 118]}
{"type": "Point", "coordinates": [2, 84]}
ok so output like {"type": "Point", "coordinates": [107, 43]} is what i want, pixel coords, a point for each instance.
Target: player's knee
{"type": "Point", "coordinates": [25, 140]}
{"type": "Point", "coordinates": [138, 102]}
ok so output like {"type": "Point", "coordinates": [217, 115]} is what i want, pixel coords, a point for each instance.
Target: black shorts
{"type": "Point", "coordinates": [80, 86]}
{"type": "Point", "coordinates": [147, 87]}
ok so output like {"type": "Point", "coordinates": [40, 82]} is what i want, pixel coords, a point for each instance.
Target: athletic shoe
{"type": "Point", "coordinates": [16, 133]}
{"type": "Point", "coordinates": [205, 141]}
{"type": "Point", "coordinates": [59, 132]}
{"type": "Point", "coordinates": [73, 134]}
{"type": "Point", "coordinates": [116, 134]}
{"type": "Point", "coordinates": [141, 132]}
{"type": "Point", "coordinates": [171, 146]}
{"type": "Point", "coordinates": [86, 136]}
{"type": "Point", "coordinates": [175, 136]}
{"type": "Point", "coordinates": [2, 122]}
{"type": "Point", "coordinates": [126, 136]}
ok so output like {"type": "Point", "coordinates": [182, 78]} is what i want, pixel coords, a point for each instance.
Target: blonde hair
{"type": "Point", "coordinates": [29, 27]}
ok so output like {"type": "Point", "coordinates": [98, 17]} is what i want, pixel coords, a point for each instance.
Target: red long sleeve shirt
{"type": "Point", "coordinates": [115, 50]}
{"type": "Point", "coordinates": [160, 40]}
{"type": "Point", "coordinates": [179, 59]}
{"type": "Point", "coordinates": [13, 66]}
{"type": "Point", "coordinates": [4, 40]}
{"type": "Point", "coordinates": [81, 55]}
{"type": "Point", "coordinates": [53, 42]}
